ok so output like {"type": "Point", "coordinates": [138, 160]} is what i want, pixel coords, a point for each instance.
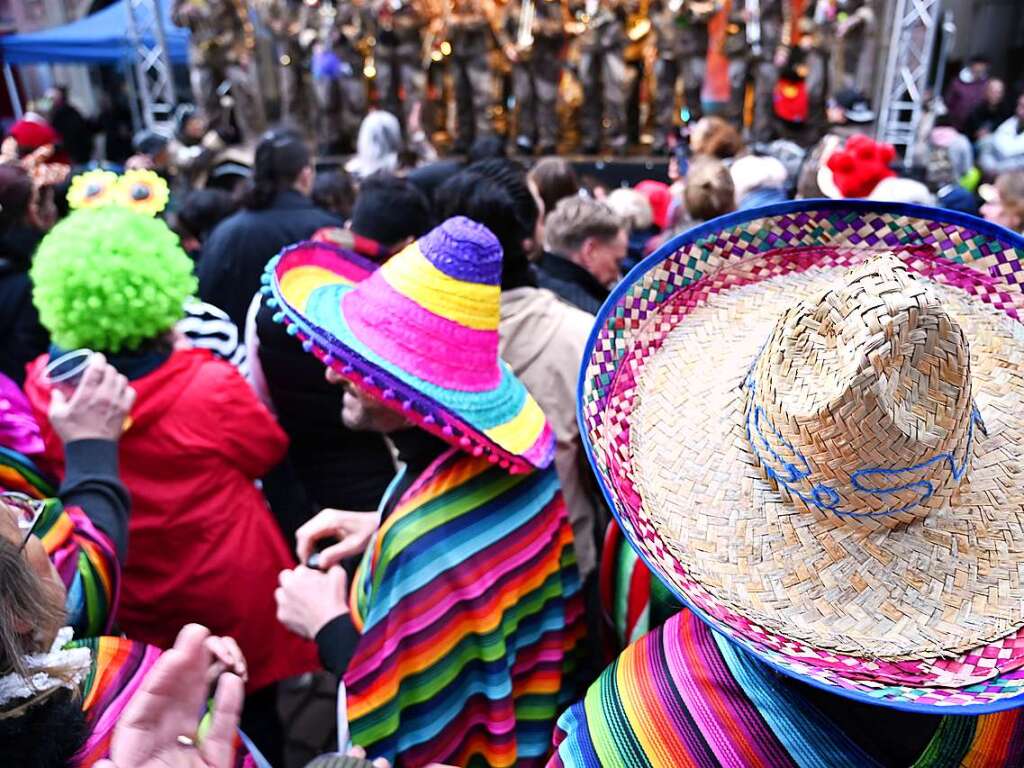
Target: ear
{"type": "Point", "coordinates": [587, 252]}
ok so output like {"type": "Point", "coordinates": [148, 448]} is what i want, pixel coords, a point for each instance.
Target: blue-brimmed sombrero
{"type": "Point", "coordinates": [809, 422]}
{"type": "Point", "coordinates": [420, 333]}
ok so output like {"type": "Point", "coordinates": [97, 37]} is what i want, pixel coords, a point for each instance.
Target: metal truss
{"type": "Point", "coordinates": [905, 89]}
{"type": "Point", "coordinates": [154, 80]}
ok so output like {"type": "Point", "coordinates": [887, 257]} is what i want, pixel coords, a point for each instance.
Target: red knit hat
{"type": "Point", "coordinates": [860, 165]}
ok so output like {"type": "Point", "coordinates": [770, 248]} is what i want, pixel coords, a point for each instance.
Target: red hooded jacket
{"type": "Point", "coordinates": [202, 544]}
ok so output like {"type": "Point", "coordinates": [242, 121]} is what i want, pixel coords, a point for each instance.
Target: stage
{"type": "Point", "coordinates": [611, 171]}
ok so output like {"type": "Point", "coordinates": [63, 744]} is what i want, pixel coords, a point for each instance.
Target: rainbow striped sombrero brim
{"type": "Point", "coordinates": [420, 334]}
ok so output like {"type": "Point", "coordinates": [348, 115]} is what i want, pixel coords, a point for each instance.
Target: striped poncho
{"type": "Point", "coordinates": [470, 611]}
{"type": "Point", "coordinates": [684, 696]}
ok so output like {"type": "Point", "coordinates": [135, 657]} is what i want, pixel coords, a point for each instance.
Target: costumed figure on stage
{"type": "Point", "coordinates": [533, 38]}
{"type": "Point", "coordinates": [801, 85]}
{"type": "Point", "coordinates": [682, 27]}
{"type": "Point", "coordinates": [605, 78]}
{"type": "Point", "coordinates": [340, 68]}
{"type": "Point", "coordinates": [295, 25]}
{"type": "Point", "coordinates": [853, 27]}
{"type": "Point", "coordinates": [400, 54]}
{"type": "Point", "coordinates": [471, 29]}
{"type": "Point", "coordinates": [220, 57]}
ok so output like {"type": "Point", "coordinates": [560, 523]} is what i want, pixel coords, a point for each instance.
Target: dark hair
{"type": "Point", "coordinates": [203, 209]}
{"type": "Point", "coordinates": [390, 209]}
{"type": "Point", "coordinates": [149, 142]}
{"type": "Point", "coordinates": [555, 179]}
{"type": "Point", "coordinates": [281, 156]}
{"type": "Point", "coordinates": [512, 175]}
{"type": "Point", "coordinates": [15, 196]}
{"type": "Point", "coordinates": [490, 202]}
{"type": "Point", "coordinates": [487, 148]}
{"type": "Point", "coordinates": [334, 192]}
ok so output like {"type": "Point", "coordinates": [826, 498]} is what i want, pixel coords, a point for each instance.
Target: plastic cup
{"type": "Point", "coordinates": [66, 371]}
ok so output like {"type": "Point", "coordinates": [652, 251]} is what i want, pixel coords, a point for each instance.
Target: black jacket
{"type": "Point", "coordinates": [570, 282]}
{"type": "Point", "coordinates": [24, 338]}
{"type": "Point", "coordinates": [338, 468]}
{"type": "Point", "coordinates": [238, 249]}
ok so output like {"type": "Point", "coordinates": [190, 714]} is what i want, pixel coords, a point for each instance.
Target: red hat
{"type": "Point", "coordinates": [33, 134]}
{"type": "Point", "coordinates": [660, 199]}
{"type": "Point", "coordinates": [857, 168]}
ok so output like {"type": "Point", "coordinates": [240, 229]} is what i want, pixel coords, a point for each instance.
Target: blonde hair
{"type": "Point", "coordinates": [575, 219]}
{"type": "Point", "coordinates": [25, 601]}
{"type": "Point", "coordinates": [632, 207]}
{"type": "Point", "coordinates": [710, 191]}
{"type": "Point", "coordinates": [1010, 186]}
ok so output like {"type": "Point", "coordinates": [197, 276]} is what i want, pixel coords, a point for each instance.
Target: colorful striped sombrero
{"type": "Point", "coordinates": [420, 334]}
{"type": "Point", "coordinates": [809, 422]}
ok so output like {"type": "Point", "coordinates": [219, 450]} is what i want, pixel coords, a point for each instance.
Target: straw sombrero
{"type": "Point", "coordinates": [809, 421]}
{"type": "Point", "coordinates": [420, 334]}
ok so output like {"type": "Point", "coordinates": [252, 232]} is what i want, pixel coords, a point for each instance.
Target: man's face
{"type": "Point", "coordinates": [602, 258]}
{"type": "Point", "coordinates": [980, 70]}
{"type": "Point", "coordinates": [195, 127]}
{"type": "Point", "coordinates": [995, 92]}
{"type": "Point", "coordinates": [362, 413]}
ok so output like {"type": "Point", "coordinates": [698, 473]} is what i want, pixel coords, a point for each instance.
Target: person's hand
{"type": "Point", "coordinates": [511, 53]}
{"type": "Point", "coordinates": [415, 122]}
{"type": "Point", "coordinates": [354, 529]}
{"type": "Point", "coordinates": [781, 57]}
{"type": "Point", "coordinates": [158, 727]}
{"type": "Point", "coordinates": [98, 407]}
{"type": "Point", "coordinates": [307, 599]}
{"type": "Point", "coordinates": [227, 657]}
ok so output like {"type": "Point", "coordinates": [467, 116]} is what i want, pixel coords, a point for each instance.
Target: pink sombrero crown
{"type": "Point", "coordinates": [421, 334]}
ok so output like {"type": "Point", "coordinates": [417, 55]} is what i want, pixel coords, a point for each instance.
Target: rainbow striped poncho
{"type": "Point", "coordinates": [470, 611]}
{"type": "Point", "coordinates": [684, 696]}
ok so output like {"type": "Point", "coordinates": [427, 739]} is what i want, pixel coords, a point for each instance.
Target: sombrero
{"type": "Point", "coordinates": [420, 334]}
{"type": "Point", "coordinates": [809, 422]}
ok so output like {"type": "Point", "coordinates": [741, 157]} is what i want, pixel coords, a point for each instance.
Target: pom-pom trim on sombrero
{"type": "Point", "coordinates": [456, 400]}
{"type": "Point", "coordinates": [716, 263]}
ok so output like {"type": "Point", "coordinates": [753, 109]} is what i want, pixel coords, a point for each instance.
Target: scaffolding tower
{"type": "Point", "coordinates": [908, 66]}
{"type": "Point", "coordinates": [154, 83]}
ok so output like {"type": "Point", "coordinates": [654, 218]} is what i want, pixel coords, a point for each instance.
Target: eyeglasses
{"type": "Point", "coordinates": [27, 510]}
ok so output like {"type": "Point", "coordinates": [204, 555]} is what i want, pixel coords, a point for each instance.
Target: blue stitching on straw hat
{"type": "Point", "coordinates": [788, 474]}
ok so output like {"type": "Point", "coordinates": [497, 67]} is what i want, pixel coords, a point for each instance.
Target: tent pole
{"type": "Point", "coordinates": [12, 89]}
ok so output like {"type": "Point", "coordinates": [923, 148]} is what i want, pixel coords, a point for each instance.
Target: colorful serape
{"type": "Point", "coordinates": [19, 473]}
{"type": "Point", "coordinates": [470, 607]}
{"type": "Point", "coordinates": [118, 668]}
{"type": "Point", "coordinates": [87, 563]}
{"type": "Point", "coordinates": [683, 696]}
{"type": "Point", "coordinates": [634, 601]}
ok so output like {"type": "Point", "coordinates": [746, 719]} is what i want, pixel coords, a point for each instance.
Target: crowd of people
{"type": "Point", "coordinates": [275, 425]}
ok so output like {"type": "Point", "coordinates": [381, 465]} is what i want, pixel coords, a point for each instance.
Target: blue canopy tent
{"type": "Point", "coordinates": [100, 38]}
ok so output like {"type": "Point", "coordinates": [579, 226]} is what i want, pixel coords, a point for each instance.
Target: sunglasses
{"type": "Point", "coordinates": [27, 510]}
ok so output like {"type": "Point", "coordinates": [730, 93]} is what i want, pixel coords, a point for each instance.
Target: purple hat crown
{"type": "Point", "coordinates": [465, 250]}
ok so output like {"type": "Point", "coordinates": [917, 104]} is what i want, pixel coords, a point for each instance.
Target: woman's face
{"type": "Point", "coordinates": [41, 566]}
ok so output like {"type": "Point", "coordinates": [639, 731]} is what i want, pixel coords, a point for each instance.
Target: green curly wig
{"type": "Point", "coordinates": [110, 279]}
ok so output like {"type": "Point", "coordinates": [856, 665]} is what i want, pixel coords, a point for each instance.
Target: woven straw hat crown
{"type": "Point", "coordinates": [859, 406]}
